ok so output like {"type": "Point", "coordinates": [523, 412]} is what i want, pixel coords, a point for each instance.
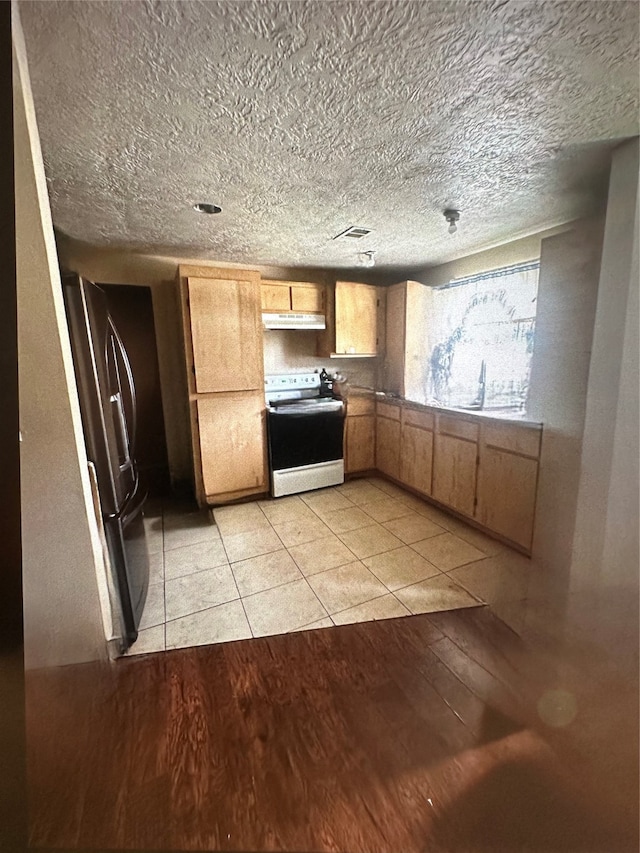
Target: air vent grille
{"type": "Point", "coordinates": [356, 232]}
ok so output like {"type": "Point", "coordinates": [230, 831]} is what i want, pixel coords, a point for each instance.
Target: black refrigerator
{"type": "Point", "coordinates": [108, 407]}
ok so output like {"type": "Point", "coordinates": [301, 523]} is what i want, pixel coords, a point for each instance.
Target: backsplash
{"type": "Point", "coordinates": [294, 351]}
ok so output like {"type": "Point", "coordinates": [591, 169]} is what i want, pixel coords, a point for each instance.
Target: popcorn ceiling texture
{"type": "Point", "coordinates": [303, 118]}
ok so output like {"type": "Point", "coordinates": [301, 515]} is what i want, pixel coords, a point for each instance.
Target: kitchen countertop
{"type": "Point", "coordinates": [515, 418]}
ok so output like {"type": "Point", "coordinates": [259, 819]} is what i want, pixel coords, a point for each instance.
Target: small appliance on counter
{"type": "Point", "coordinates": [305, 424]}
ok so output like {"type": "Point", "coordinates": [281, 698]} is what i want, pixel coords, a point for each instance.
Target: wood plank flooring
{"type": "Point", "coordinates": [415, 734]}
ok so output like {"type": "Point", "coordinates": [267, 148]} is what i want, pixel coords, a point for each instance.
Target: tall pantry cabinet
{"type": "Point", "coordinates": [223, 352]}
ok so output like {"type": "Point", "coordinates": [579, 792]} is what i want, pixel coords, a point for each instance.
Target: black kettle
{"type": "Point", "coordinates": [326, 384]}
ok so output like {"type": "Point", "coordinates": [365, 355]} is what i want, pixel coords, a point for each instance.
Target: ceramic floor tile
{"type": "Point", "coordinates": [242, 546]}
{"type": "Point", "coordinates": [360, 492]}
{"type": "Point", "coordinates": [326, 553]}
{"type": "Point", "coordinates": [193, 558]}
{"type": "Point", "coordinates": [400, 567]}
{"type": "Point", "coordinates": [444, 519]}
{"type": "Point", "coordinates": [265, 571]}
{"type": "Point", "coordinates": [346, 586]}
{"type": "Point", "coordinates": [434, 594]}
{"type": "Point", "coordinates": [154, 534]}
{"type": "Point", "coordinates": [240, 518]}
{"type": "Point", "coordinates": [321, 623]}
{"type": "Point", "coordinates": [388, 488]}
{"type": "Point", "coordinates": [492, 581]}
{"type": "Point", "coordinates": [413, 528]}
{"type": "Point", "coordinates": [490, 547]}
{"type": "Point", "coordinates": [190, 529]}
{"type": "Point", "coordinates": [149, 640]}
{"type": "Point", "coordinates": [385, 509]}
{"type": "Point", "coordinates": [220, 624]}
{"type": "Point", "coordinates": [283, 608]}
{"type": "Point", "coordinates": [283, 510]}
{"type": "Point", "coordinates": [156, 567]}
{"type": "Point", "coordinates": [199, 591]}
{"type": "Point", "coordinates": [385, 607]}
{"type": "Point", "coordinates": [447, 551]}
{"type": "Point", "coordinates": [301, 531]}
{"type": "Point", "coordinates": [342, 520]}
{"type": "Point", "coordinates": [153, 612]}
{"type": "Point", "coordinates": [326, 500]}
{"type": "Point", "coordinates": [371, 540]}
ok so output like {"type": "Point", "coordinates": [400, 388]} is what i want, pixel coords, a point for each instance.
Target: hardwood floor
{"type": "Point", "coordinates": [413, 734]}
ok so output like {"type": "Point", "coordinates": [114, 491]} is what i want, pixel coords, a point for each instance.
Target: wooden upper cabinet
{"type": "Point", "coordinates": [394, 356]}
{"type": "Point", "coordinates": [307, 298]}
{"type": "Point", "coordinates": [301, 297]}
{"type": "Point", "coordinates": [356, 318]}
{"type": "Point", "coordinates": [226, 334]}
{"type": "Point", "coordinates": [275, 296]}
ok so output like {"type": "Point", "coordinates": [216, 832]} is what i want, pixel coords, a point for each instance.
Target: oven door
{"type": "Point", "coordinates": [305, 448]}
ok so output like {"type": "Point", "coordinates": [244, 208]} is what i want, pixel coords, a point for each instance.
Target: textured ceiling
{"type": "Point", "coordinates": [303, 118]}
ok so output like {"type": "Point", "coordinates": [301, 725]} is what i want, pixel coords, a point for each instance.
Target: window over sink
{"type": "Point", "coordinates": [479, 341]}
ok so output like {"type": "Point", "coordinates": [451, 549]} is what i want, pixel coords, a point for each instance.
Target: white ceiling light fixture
{"type": "Point", "coordinates": [367, 259]}
{"type": "Point", "coordinates": [452, 216]}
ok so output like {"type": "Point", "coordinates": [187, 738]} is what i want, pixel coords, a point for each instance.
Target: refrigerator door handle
{"type": "Point", "coordinates": [116, 401]}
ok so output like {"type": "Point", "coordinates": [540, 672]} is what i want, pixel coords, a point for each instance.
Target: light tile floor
{"type": "Point", "coordinates": [361, 551]}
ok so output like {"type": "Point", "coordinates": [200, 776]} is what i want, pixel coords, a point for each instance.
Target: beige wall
{"type": "Point", "coordinates": [567, 294]}
{"type": "Point", "coordinates": [606, 544]}
{"type": "Point", "coordinates": [515, 252]}
{"type": "Point", "coordinates": [63, 571]}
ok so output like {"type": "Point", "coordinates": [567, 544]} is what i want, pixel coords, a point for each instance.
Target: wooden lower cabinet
{"type": "Point", "coordinates": [454, 472]}
{"type": "Point", "coordinates": [507, 494]}
{"type": "Point", "coordinates": [388, 446]}
{"type": "Point", "coordinates": [360, 443]}
{"type": "Point", "coordinates": [231, 429]}
{"type": "Point", "coordinates": [416, 458]}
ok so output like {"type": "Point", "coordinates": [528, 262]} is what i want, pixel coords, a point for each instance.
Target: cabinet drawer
{"type": "Point", "coordinates": [385, 410]}
{"type": "Point", "coordinates": [414, 417]}
{"type": "Point", "coordinates": [448, 425]}
{"type": "Point", "coordinates": [360, 405]}
{"type": "Point", "coordinates": [517, 439]}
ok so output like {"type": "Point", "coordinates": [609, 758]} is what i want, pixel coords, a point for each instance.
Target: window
{"type": "Point", "coordinates": [480, 340]}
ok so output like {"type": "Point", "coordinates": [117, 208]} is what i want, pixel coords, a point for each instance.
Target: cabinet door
{"type": "Point", "coordinates": [454, 472]}
{"type": "Point", "coordinates": [226, 334]}
{"type": "Point", "coordinates": [507, 494]}
{"type": "Point", "coordinates": [416, 457]}
{"type": "Point", "coordinates": [307, 299]}
{"type": "Point", "coordinates": [388, 447]}
{"type": "Point", "coordinates": [394, 359]}
{"type": "Point", "coordinates": [232, 443]}
{"type": "Point", "coordinates": [356, 318]}
{"type": "Point", "coordinates": [275, 297]}
{"type": "Point", "coordinates": [360, 443]}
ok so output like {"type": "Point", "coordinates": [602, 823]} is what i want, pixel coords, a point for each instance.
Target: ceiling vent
{"type": "Point", "coordinates": [356, 232]}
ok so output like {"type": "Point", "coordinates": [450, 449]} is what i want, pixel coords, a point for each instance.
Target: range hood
{"type": "Point", "coordinates": [290, 320]}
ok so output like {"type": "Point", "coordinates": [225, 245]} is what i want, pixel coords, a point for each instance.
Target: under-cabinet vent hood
{"type": "Point", "coordinates": [293, 321]}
